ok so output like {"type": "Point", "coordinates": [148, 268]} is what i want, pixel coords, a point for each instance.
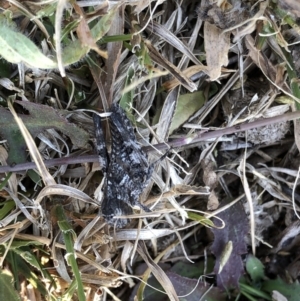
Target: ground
{"type": "Point", "coordinates": [214, 85]}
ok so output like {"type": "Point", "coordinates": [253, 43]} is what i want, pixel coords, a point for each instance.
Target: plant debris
{"type": "Point", "coordinates": [215, 81]}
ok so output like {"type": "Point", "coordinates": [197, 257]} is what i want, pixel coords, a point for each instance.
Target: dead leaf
{"type": "Point", "coordinates": [235, 230]}
{"type": "Point", "coordinates": [187, 105]}
{"type": "Point", "coordinates": [213, 201]}
{"type": "Point", "coordinates": [264, 64]}
{"type": "Point", "coordinates": [84, 33]}
{"type": "Point", "coordinates": [217, 45]}
{"type": "Point", "coordinates": [40, 118]}
{"type": "Point", "coordinates": [189, 190]}
{"type": "Point", "coordinates": [107, 280]}
{"type": "Point", "coordinates": [158, 272]}
{"type": "Point", "coordinates": [114, 52]}
{"type": "Point", "coordinates": [194, 290]}
{"type": "Point", "coordinates": [189, 72]}
{"type": "Point", "coordinates": [162, 61]}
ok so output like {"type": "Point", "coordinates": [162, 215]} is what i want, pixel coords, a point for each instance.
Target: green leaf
{"type": "Point", "coordinates": [40, 118]}
{"type": "Point", "coordinates": [75, 51]}
{"type": "Point", "coordinates": [69, 235]}
{"type": "Point", "coordinates": [254, 268]}
{"type": "Point", "coordinates": [35, 177]}
{"type": "Point", "coordinates": [6, 208]}
{"type": "Point", "coordinates": [194, 270]}
{"type": "Point", "coordinates": [4, 182]}
{"type": "Point", "coordinates": [251, 291]}
{"type": "Point", "coordinates": [5, 68]}
{"type": "Point", "coordinates": [187, 105]}
{"type": "Point", "coordinates": [20, 267]}
{"type": "Point", "coordinates": [16, 244]}
{"type": "Point", "coordinates": [7, 290]}
{"type": "Point", "coordinates": [17, 48]}
{"type": "Point", "coordinates": [46, 11]}
{"type": "Point", "coordinates": [31, 259]}
{"type": "Point", "coordinates": [290, 291]}
{"type": "Point", "coordinates": [201, 219]}
{"type": "Point", "coordinates": [127, 98]}
{"type": "Point", "coordinates": [70, 26]}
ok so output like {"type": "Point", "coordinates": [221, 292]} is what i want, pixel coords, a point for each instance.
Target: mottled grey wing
{"type": "Point", "coordinates": [100, 143]}
{"type": "Point", "coordinates": [128, 155]}
{"type": "Point", "coordinates": [113, 204]}
{"type": "Point", "coordinates": [127, 170]}
{"type": "Point", "coordinates": [123, 138]}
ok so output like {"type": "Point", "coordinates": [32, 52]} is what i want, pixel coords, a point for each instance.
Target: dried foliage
{"type": "Point", "coordinates": [217, 83]}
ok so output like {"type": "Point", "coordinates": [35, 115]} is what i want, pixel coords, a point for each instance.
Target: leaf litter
{"type": "Point", "coordinates": [214, 80]}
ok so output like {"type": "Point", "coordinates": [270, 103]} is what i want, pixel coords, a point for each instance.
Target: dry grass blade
{"type": "Point", "coordinates": [58, 21]}
{"type": "Point", "coordinates": [158, 273]}
{"type": "Point", "coordinates": [160, 60]}
{"type": "Point", "coordinates": [215, 81]}
{"type": "Point", "coordinates": [114, 50]}
{"type": "Point", "coordinates": [242, 172]}
{"type": "Point", "coordinates": [12, 181]}
{"type": "Point", "coordinates": [59, 189]}
{"type": "Point", "coordinates": [170, 38]}
{"type": "Point", "coordinates": [34, 152]}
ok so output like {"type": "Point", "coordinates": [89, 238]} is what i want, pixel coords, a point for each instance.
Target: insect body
{"type": "Point", "coordinates": [127, 169]}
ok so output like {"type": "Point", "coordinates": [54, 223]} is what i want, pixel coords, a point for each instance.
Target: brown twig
{"type": "Point", "coordinates": [176, 143]}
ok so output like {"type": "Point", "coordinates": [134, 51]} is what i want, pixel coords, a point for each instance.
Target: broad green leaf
{"type": "Point", "coordinates": [20, 267]}
{"type": "Point", "coordinates": [22, 249]}
{"type": "Point", "coordinates": [103, 26]}
{"type": "Point", "coordinates": [16, 244]}
{"type": "Point", "coordinates": [70, 26]}
{"type": "Point", "coordinates": [46, 11]}
{"type": "Point", "coordinates": [40, 118]}
{"type": "Point", "coordinates": [4, 182]}
{"type": "Point", "coordinates": [290, 291]}
{"type": "Point", "coordinates": [17, 48]}
{"type": "Point", "coordinates": [254, 268]}
{"type": "Point", "coordinates": [7, 290]}
{"type": "Point", "coordinates": [194, 270]}
{"type": "Point", "coordinates": [188, 104]}
{"type": "Point", "coordinates": [5, 68]}
{"type": "Point", "coordinates": [75, 51]}
{"type": "Point", "coordinates": [127, 98]}
{"type": "Point", "coordinates": [7, 207]}
{"type": "Point", "coordinates": [31, 259]}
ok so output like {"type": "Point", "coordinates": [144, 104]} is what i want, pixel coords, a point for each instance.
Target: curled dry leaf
{"type": "Point", "coordinates": [264, 64]}
{"type": "Point", "coordinates": [189, 190]}
{"type": "Point", "coordinates": [84, 33]}
{"type": "Point", "coordinates": [210, 179]}
{"type": "Point", "coordinates": [213, 201]}
{"type": "Point", "coordinates": [217, 45]}
{"type": "Point", "coordinates": [159, 274]}
{"type": "Point", "coordinates": [225, 15]}
{"type": "Point", "coordinates": [108, 280]}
